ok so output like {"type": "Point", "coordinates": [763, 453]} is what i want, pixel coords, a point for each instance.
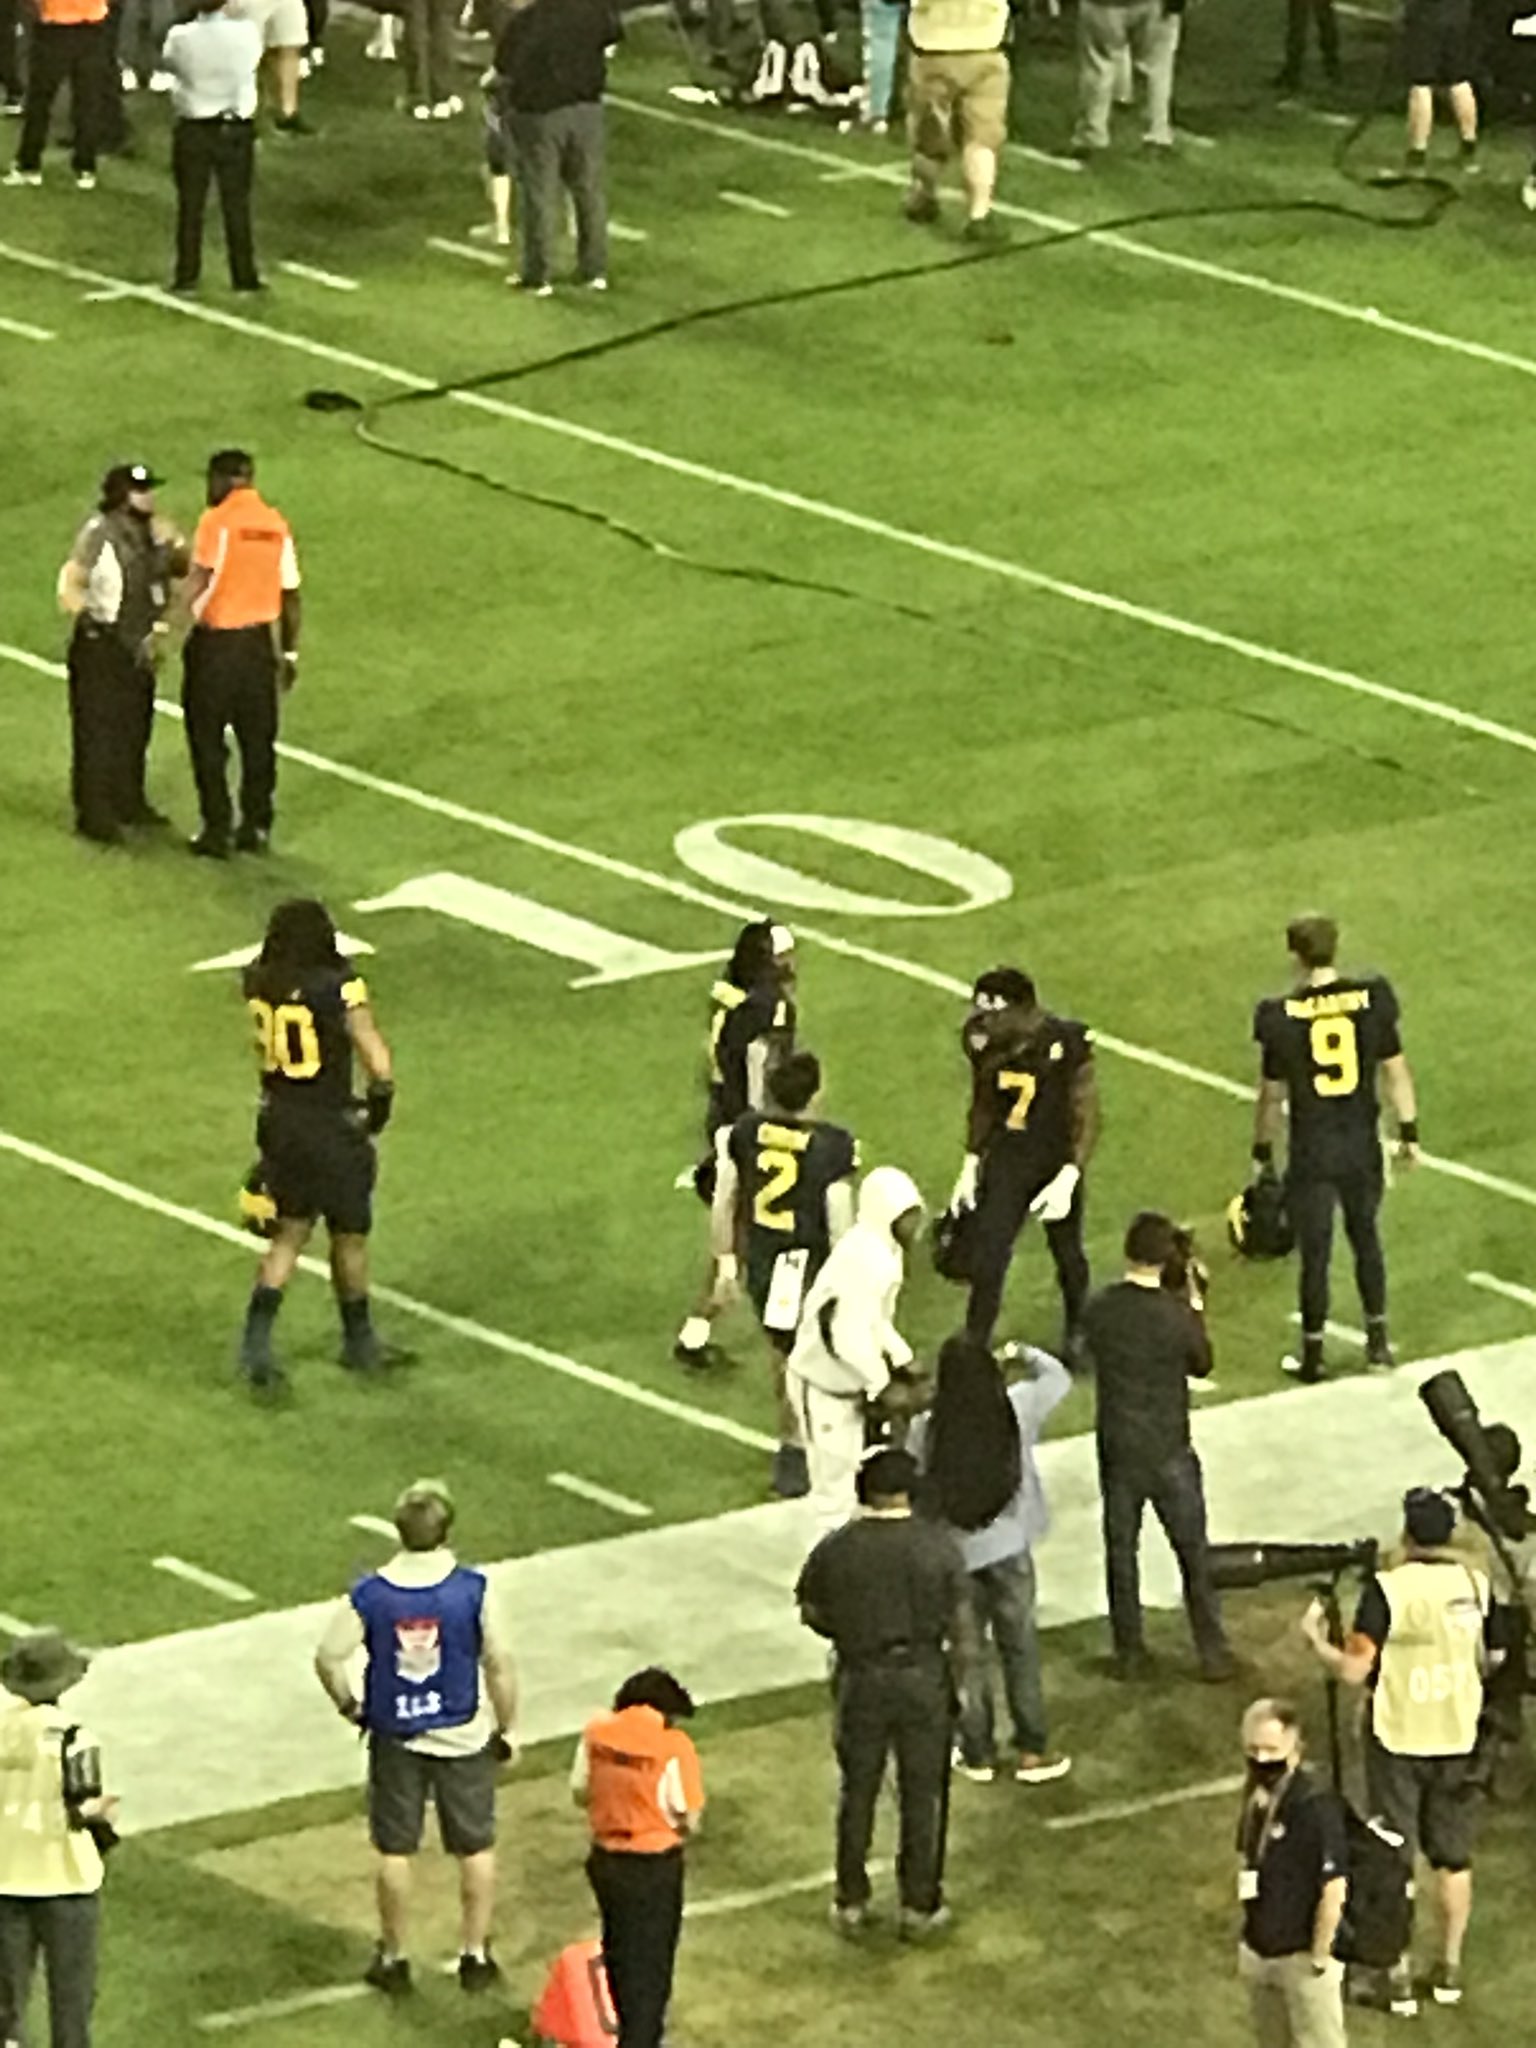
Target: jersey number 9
{"type": "Point", "coordinates": [778, 1172]}
{"type": "Point", "coordinates": [287, 1042]}
{"type": "Point", "coordinates": [1335, 1056]}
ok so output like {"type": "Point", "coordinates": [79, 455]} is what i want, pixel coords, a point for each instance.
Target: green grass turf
{"type": "Point", "coordinates": [1262, 467]}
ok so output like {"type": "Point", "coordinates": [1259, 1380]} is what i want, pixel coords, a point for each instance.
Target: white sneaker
{"type": "Point", "coordinates": [305, 67]}
{"type": "Point", "coordinates": [17, 176]}
{"type": "Point", "coordinates": [979, 1774]}
{"type": "Point", "coordinates": [532, 291]}
{"type": "Point", "coordinates": [85, 181]}
{"type": "Point", "coordinates": [445, 110]}
{"type": "Point", "coordinates": [1528, 193]}
{"type": "Point", "coordinates": [597, 284]}
{"type": "Point", "coordinates": [381, 44]}
{"type": "Point", "coordinates": [162, 81]}
{"type": "Point", "coordinates": [130, 79]}
{"type": "Point", "coordinates": [421, 113]}
{"type": "Point", "coordinates": [1042, 1770]}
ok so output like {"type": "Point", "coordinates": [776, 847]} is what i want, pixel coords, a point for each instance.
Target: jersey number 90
{"type": "Point", "coordinates": [287, 1042]}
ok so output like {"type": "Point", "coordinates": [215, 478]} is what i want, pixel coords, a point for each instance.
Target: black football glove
{"type": "Point", "coordinates": [379, 1105]}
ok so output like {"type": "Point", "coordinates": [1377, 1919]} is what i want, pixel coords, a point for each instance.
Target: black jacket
{"type": "Point", "coordinates": [553, 53]}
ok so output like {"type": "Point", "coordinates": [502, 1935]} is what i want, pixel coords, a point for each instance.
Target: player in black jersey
{"type": "Point", "coordinates": [1324, 1050]}
{"type": "Point", "coordinates": [1033, 1122]}
{"type": "Point", "coordinates": [783, 1194]}
{"type": "Point", "coordinates": [314, 1138]}
{"type": "Point", "coordinates": [751, 1025]}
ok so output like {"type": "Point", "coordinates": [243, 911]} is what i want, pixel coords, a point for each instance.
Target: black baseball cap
{"type": "Point", "coordinates": [124, 477]}
{"type": "Point", "coordinates": [1429, 1517]}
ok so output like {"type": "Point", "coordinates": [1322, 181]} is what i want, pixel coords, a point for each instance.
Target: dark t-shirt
{"type": "Point", "coordinates": [1326, 1044]}
{"type": "Point", "coordinates": [1302, 1849]}
{"type": "Point", "coordinates": [784, 1166]}
{"type": "Point", "coordinates": [553, 53]}
{"type": "Point", "coordinates": [883, 1586]}
{"type": "Point", "coordinates": [738, 1019]}
{"type": "Point", "coordinates": [1021, 1090]}
{"type": "Point", "coordinates": [1146, 1343]}
{"type": "Point", "coordinates": [303, 1046]}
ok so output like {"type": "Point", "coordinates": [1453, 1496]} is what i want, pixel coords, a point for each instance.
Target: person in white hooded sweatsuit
{"type": "Point", "coordinates": [847, 1342]}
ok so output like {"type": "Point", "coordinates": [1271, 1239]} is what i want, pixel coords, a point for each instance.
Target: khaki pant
{"type": "Point", "coordinates": [956, 95]}
{"type": "Point", "coordinates": [1106, 35]}
{"type": "Point", "coordinates": [1293, 2005]}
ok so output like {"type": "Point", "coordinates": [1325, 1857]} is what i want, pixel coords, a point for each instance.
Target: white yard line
{"type": "Point", "coordinates": [15, 1627]}
{"type": "Point", "coordinates": [704, 899]}
{"type": "Point", "coordinates": [1345, 1333]}
{"type": "Point", "coordinates": [1154, 1802]}
{"type": "Point", "coordinates": [210, 1582]}
{"type": "Point", "coordinates": [470, 251]}
{"type": "Point", "coordinates": [331, 279]}
{"type": "Point", "coordinates": [600, 1496]}
{"type": "Point", "coordinates": [283, 2008]}
{"type": "Point", "coordinates": [424, 1311]}
{"type": "Point", "coordinates": [618, 231]}
{"type": "Point", "coordinates": [1125, 245]}
{"type": "Point", "coordinates": [25, 331]}
{"type": "Point", "coordinates": [1510, 1290]}
{"type": "Point", "coordinates": [709, 1908]}
{"type": "Point", "coordinates": [374, 1525]}
{"type": "Point", "coordinates": [748, 204]}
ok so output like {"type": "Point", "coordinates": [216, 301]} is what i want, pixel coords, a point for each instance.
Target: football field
{"type": "Point", "coordinates": [1094, 607]}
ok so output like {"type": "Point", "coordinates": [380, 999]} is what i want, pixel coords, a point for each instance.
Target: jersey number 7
{"type": "Point", "coordinates": [1022, 1087]}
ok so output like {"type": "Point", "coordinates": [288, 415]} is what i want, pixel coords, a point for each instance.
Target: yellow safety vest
{"type": "Point", "coordinates": [1429, 1686]}
{"type": "Point", "coordinates": [937, 25]}
{"type": "Point", "coordinates": [41, 1855]}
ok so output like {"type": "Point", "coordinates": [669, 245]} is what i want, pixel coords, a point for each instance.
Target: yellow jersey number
{"type": "Point", "coordinates": [1335, 1056]}
{"type": "Point", "coordinates": [779, 1172]}
{"type": "Point", "coordinates": [287, 1042]}
{"type": "Point", "coordinates": [1022, 1088]}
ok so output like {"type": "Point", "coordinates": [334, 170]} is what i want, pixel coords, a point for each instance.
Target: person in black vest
{"type": "Point", "coordinates": [1292, 1886]}
{"type": "Point", "coordinates": [1145, 1337]}
{"type": "Point", "coordinates": [551, 58]}
{"type": "Point", "coordinates": [116, 584]}
{"type": "Point", "coordinates": [893, 1596]}
{"type": "Point", "coordinates": [439, 1706]}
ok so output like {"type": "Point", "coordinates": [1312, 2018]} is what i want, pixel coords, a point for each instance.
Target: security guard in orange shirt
{"type": "Point", "coordinates": [242, 651]}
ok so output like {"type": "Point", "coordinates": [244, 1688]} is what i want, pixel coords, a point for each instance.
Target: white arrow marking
{"type": "Point", "coordinates": [242, 956]}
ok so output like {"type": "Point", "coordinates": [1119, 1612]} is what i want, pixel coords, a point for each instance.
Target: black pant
{"type": "Point", "coordinates": [1002, 1210]}
{"type": "Point", "coordinates": [10, 49]}
{"type": "Point", "coordinates": [1311, 1201]}
{"type": "Point", "coordinates": [908, 1708]}
{"type": "Point", "coordinates": [111, 712]}
{"type": "Point", "coordinates": [640, 1899]}
{"type": "Point", "coordinates": [229, 683]}
{"type": "Point", "coordinates": [1177, 1497]}
{"type": "Point", "coordinates": [65, 1930]}
{"type": "Point", "coordinates": [225, 152]}
{"type": "Point", "coordinates": [1297, 15]}
{"type": "Point", "coordinates": [72, 50]}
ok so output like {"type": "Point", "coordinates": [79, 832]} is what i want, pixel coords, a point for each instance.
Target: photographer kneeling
{"type": "Point", "coordinates": [1418, 1641]}
{"type": "Point", "coordinates": [1145, 1337]}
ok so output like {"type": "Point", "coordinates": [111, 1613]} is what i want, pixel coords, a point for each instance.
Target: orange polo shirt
{"type": "Point", "coordinates": [247, 546]}
{"type": "Point", "coordinates": [67, 13]}
{"type": "Point", "coordinates": [642, 1780]}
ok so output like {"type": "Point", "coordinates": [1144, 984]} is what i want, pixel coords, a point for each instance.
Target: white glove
{"type": "Point", "coordinates": [964, 1196]}
{"type": "Point", "coordinates": [1055, 1198]}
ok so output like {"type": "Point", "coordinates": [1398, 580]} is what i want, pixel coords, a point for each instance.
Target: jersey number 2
{"type": "Point", "coordinates": [779, 1171]}
{"type": "Point", "coordinates": [1335, 1056]}
{"type": "Point", "coordinates": [287, 1042]}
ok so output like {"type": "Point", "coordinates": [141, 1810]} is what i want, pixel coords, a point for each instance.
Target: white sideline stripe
{"type": "Point", "coordinates": [619, 232]}
{"type": "Point", "coordinates": [459, 1326]}
{"type": "Point", "coordinates": [375, 1525]}
{"type": "Point", "coordinates": [330, 278]}
{"type": "Point", "coordinates": [1346, 1333]}
{"type": "Point", "coordinates": [766, 1894]}
{"type": "Point", "coordinates": [470, 251]}
{"type": "Point", "coordinates": [1129, 1809]}
{"type": "Point", "coordinates": [13, 1626]}
{"type": "Point", "coordinates": [1510, 1289]}
{"type": "Point", "coordinates": [1044, 156]}
{"type": "Point", "coordinates": [602, 1496]}
{"type": "Point", "coordinates": [211, 1582]}
{"type": "Point", "coordinates": [1126, 245]}
{"type": "Point", "coordinates": [749, 204]}
{"type": "Point", "coordinates": [25, 331]}
{"type": "Point", "coordinates": [705, 899]}
{"type": "Point", "coordinates": [283, 2008]}
{"type": "Point", "coordinates": [836, 515]}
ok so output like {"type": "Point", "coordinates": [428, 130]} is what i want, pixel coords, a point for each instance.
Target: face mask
{"type": "Point", "coordinates": [1267, 1771]}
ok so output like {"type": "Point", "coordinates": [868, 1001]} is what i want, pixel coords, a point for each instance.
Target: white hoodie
{"type": "Point", "coordinates": [859, 1284]}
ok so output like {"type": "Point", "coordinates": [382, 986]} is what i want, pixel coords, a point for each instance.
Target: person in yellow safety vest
{"type": "Point", "coordinates": [1419, 1642]}
{"type": "Point", "coordinates": [957, 90]}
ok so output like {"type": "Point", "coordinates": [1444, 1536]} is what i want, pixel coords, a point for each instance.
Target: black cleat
{"type": "Point", "coordinates": [389, 1974]}
{"type": "Point", "coordinates": [249, 840]}
{"type": "Point", "coordinates": [1379, 1355]}
{"type": "Point", "coordinates": [374, 1355]}
{"type": "Point", "coordinates": [700, 1357]}
{"type": "Point", "coordinates": [479, 1973]}
{"type": "Point", "coordinates": [207, 846]}
{"type": "Point", "coordinates": [921, 205]}
{"type": "Point", "coordinates": [1132, 1667]}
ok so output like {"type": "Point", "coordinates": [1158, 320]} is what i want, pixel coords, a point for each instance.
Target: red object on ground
{"type": "Point", "coordinates": [576, 2010]}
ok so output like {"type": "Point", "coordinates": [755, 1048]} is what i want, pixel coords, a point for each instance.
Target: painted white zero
{"type": "Point", "coordinates": [705, 850]}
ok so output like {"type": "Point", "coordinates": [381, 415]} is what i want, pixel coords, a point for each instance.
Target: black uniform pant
{"type": "Point", "coordinates": [1002, 1210]}
{"type": "Point", "coordinates": [229, 684]}
{"type": "Point", "coordinates": [111, 712]}
{"type": "Point", "coordinates": [223, 153]}
{"type": "Point", "coordinates": [64, 1931]}
{"type": "Point", "coordinates": [1175, 1492]}
{"type": "Point", "coordinates": [10, 49]}
{"type": "Point", "coordinates": [905, 1708]}
{"type": "Point", "coordinates": [1312, 1201]}
{"type": "Point", "coordinates": [1298, 14]}
{"type": "Point", "coordinates": [640, 1900]}
{"type": "Point", "coordinates": [58, 51]}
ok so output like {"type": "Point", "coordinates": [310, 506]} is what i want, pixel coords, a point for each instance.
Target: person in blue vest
{"type": "Point", "coordinates": [439, 1707]}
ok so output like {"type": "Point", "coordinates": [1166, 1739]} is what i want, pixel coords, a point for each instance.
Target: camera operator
{"type": "Point", "coordinates": [1145, 1337]}
{"type": "Point", "coordinates": [54, 1826]}
{"type": "Point", "coordinates": [848, 1350]}
{"type": "Point", "coordinates": [1419, 1643]}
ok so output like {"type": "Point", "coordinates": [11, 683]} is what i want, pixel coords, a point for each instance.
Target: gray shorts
{"type": "Point", "coordinates": [462, 1788]}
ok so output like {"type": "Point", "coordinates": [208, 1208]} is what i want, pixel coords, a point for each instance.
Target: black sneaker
{"type": "Point", "coordinates": [207, 846]}
{"type": "Point", "coordinates": [986, 232]}
{"type": "Point", "coordinates": [1402, 1998]}
{"type": "Point", "coordinates": [149, 819]}
{"type": "Point", "coordinates": [389, 1974]}
{"type": "Point", "coordinates": [479, 1973]}
{"type": "Point", "coordinates": [374, 1355]}
{"type": "Point", "coordinates": [1379, 1355]}
{"type": "Point", "coordinates": [263, 1374]}
{"type": "Point", "coordinates": [293, 124]}
{"type": "Point", "coordinates": [1445, 1984]}
{"type": "Point", "coordinates": [920, 204]}
{"type": "Point", "coordinates": [1132, 1667]}
{"type": "Point", "coordinates": [700, 1357]}
{"type": "Point", "coordinates": [791, 1475]}
{"type": "Point", "coordinates": [249, 840]}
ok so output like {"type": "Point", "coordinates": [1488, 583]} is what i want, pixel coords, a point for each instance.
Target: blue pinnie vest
{"type": "Point", "coordinates": [423, 1652]}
